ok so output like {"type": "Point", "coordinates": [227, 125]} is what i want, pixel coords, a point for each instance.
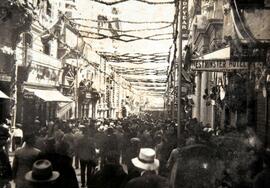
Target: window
{"type": "Point", "coordinates": [28, 40]}
{"type": "Point", "coordinates": [46, 48]}
{"type": "Point", "coordinates": [49, 8]}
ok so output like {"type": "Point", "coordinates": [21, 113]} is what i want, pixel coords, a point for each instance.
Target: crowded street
{"type": "Point", "coordinates": [134, 94]}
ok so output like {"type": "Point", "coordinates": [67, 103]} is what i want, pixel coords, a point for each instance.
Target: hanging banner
{"type": "Point", "coordinates": [184, 19]}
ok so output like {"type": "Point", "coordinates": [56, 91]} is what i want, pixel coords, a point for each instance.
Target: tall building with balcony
{"type": "Point", "coordinates": [229, 54]}
{"type": "Point", "coordinates": [39, 69]}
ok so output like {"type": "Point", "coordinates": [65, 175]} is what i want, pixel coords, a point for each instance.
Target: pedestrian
{"type": "Point", "coordinates": [77, 132]}
{"type": "Point", "coordinates": [42, 175]}
{"type": "Point", "coordinates": [111, 174]}
{"type": "Point", "coordinates": [148, 165]}
{"type": "Point", "coordinates": [58, 155]}
{"type": "Point", "coordinates": [6, 127]}
{"type": "Point", "coordinates": [173, 157]}
{"type": "Point", "coordinates": [85, 150]}
{"type": "Point", "coordinates": [63, 164]}
{"type": "Point", "coordinates": [5, 167]}
{"type": "Point", "coordinates": [109, 145]}
{"type": "Point", "coordinates": [131, 152]}
{"type": "Point", "coordinates": [262, 180]}
{"type": "Point", "coordinates": [23, 160]}
{"type": "Point", "coordinates": [17, 137]}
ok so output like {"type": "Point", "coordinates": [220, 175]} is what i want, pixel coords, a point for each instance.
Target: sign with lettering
{"type": "Point", "coordinates": [184, 19]}
{"type": "Point", "coordinates": [222, 66]}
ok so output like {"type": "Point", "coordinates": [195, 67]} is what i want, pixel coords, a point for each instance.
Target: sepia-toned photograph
{"type": "Point", "coordinates": [134, 93]}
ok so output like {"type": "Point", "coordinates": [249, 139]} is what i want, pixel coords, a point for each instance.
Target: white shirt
{"type": "Point", "coordinates": [18, 132]}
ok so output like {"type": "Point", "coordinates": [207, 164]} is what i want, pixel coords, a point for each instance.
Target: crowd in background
{"type": "Point", "coordinates": [130, 152]}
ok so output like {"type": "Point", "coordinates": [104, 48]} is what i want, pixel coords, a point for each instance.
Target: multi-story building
{"type": "Point", "coordinates": [56, 73]}
{"type": "Point", "coordinates": [229, 54]}
{"type": "Point", "coordinates": [40, 70]}
{"type": "Point", "coordinates": [14, 20]}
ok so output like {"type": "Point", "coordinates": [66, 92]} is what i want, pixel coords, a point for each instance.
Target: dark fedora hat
{"type": "Point", "coordinates": [42, 172]}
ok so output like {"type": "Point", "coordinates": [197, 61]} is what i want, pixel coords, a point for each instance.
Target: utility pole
{"type": "Point", "coordinates": [76, 83]}
{"type": "Point", "coordinates": [179, 106]}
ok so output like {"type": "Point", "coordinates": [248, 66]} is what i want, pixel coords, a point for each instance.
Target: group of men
{"type": "Point", "coordinates": [101, 149]}
{"type": "Point", "coordinates": [127, 153]}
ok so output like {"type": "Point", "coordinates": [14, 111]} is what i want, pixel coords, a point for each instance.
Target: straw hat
{"type": "Point", "coordinates": [146, 160]}
{"type": "Point", "coordinates": [42, 172]}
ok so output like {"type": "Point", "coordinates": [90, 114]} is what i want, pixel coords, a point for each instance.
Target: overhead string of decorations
{"type": "Point", "coordinates": [95, 66]}
{"type": "Point", "coordinates": [114, 2]}
{"type": "Point", "coordinates": [135, 58]}
{"type": "Point", "coordinates": [121, 35]}
{"type": "Point", "coordinates": [77, 52]}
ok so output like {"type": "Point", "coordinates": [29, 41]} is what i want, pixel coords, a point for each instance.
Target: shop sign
{"type": "Point", "coordinates": [223, 66]}
{"type": "Point", "coordinates": [184, 19]}
{"type": "Point", "coordinates": [5, 77]}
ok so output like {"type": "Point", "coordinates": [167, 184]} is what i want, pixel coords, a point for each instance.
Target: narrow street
{"type": "Point", "coordinates": [145, 93]}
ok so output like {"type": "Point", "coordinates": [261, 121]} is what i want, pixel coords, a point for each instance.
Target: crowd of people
{"type": "Point", "coordinates": [125, 153]}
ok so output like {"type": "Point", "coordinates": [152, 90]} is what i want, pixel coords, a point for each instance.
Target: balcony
{"type": "Point", "coordinates": [38, 58]}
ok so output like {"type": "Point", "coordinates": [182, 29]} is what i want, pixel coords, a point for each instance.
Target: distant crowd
{"type": "Point", "coordinates": [127, 153]}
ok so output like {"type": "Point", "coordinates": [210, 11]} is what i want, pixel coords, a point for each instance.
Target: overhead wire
{"type": "Point", "coordinates": [72, 49]}
{"type": "Point", "coordinates": [77, 53]}
{"type": "Point", "coordinates": [142, 1]}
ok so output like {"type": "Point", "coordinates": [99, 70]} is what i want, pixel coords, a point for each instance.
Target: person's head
{"type": "Point", "coordinates": [50, 144]}
{"type": "Point", "coordinates": [110, 131]}
{"type": "Point", "coordinates": [112, 158]}
{"type": "Point", "coordinates": [29, 139]}
{"type": "Point", "coordinates": [146, 161]}
{"type": "Point", "coordinates": [4, 135]}
{"type": "Point", "coordinates": [42, 174]}
{"type": "Point", "coordinates": [62, 148]}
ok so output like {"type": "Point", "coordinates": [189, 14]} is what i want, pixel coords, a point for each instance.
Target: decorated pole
{"type": "Point", "coordinates": [179, 107]}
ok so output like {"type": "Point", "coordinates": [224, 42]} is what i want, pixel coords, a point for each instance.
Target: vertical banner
{"type": "Point", "coordinates": [185, 19]}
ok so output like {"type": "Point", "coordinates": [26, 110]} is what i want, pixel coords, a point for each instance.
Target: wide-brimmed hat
{"type": "Point", "coordinates": [146, 160]}
{"type": "Point", "coordinates": [42, 172]}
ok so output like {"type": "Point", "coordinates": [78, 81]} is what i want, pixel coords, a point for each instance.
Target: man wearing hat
{"type": "Point", "coordinates": [42, 175]}
{"type": "Point", "coordinates": [148, 165]}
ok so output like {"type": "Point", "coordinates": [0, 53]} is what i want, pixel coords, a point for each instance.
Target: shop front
{"type": "Point", "coordinates": [224, 89]}
{"type": "Point", "coordinates": [41, 104]}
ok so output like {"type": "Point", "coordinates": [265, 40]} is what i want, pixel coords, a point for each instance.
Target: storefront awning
{"type": "Point", "coordinates": [222, 54]}
{"type": "Point", "coordinates": [49, 95]}
{"type": "Point", "coordinates": [218, 61]}
{"type": "Point", "coordinates": [3, 95]}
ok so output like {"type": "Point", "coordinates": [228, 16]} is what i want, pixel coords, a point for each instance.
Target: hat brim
{"type": "Point", "coordinates": [29, 177]}
{"type": "Point", "coordinates": [145, 166]}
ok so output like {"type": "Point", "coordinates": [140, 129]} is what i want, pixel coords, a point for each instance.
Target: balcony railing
{"type": "Point", "coordinates": [39, 58]}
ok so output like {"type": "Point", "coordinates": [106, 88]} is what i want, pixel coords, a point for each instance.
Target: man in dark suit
{"type": "Point", "coordinates": [148, 166]}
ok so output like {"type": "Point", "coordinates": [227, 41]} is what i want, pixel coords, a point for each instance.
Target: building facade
{"type": "Point", "coordinates": [229, 57]}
